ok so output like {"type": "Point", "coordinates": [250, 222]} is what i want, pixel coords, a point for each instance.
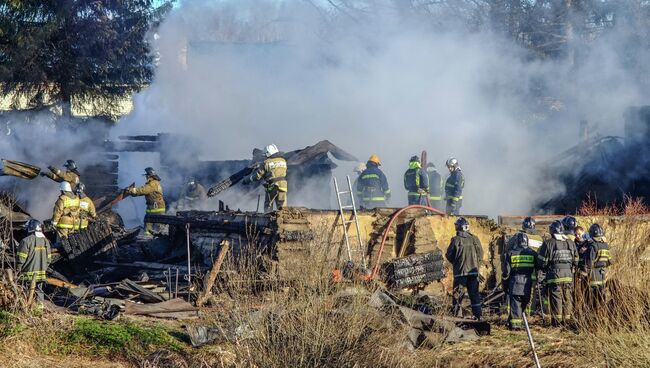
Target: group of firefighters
{"type": "Point", "coordinates": [424, 186]}
{"type": "Point", "coordinates": [569, 265]}
{"type": "Point", "coordinates": [567, 257]}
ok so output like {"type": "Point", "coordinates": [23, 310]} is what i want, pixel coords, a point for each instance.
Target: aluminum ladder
{"type": "Point", "coordinates": [354, 219]}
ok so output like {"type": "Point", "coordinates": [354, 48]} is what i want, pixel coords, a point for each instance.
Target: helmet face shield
{"type": "Point", "coordinates": [33, 225]}
{"type": "Point", "coordinates": [528, 223]}
{"type": "Point", "coordinates": [521, 240]}
{"type": "Point", "coordinates": [462, 224]}
{"type": "Point", "coordinates": [596, 231]}
{"type": "Point", "coordinates": [556, 228]}
{"type": "Point", "coordinates": [570, 223]}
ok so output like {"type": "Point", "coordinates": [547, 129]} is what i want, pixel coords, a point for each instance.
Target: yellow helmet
{"type": "Point", "coordinates": [375, 159]}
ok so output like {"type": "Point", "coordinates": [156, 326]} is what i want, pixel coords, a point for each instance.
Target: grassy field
{"type": "Point", "coordinates": [308, 324]}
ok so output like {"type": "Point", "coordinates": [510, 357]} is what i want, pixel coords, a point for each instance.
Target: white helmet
{"type": "Point", "coordinates": [452, 162]}
{"type": "Point", "coordinates": [65, 186]}
{"type": "Point", "coordinates": [271, 150]}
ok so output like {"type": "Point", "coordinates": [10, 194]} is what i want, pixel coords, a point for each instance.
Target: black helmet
{"type": "Point", "coordinates": [556, 228]}
{"type": "Point", "coordinates": [33, 225]}
{"type": "Point", "coordinates": [462, 224]}
{"type": "Point", "coordinates": [521, 239]}
{"type": "Point", "coordinates": [596, 230]}
{"type": "Point", "coordinates": [569, 224]}
{"type": "Point", "coordinates": [528, 224]}
{"type": "Point", "coordinates": [149, 171]}
{"type": "Point", "coordinates": [414, 159]}
{"type": "Point", "coordinates": [80, 188]}
{"type": "Point", "coordinates": [70, 165]}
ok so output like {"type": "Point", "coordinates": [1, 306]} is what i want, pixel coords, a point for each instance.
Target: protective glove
{"type": "Point", "coordinates": [211, 192]}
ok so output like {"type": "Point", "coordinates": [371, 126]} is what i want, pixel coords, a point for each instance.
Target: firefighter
{"type": "Point", "coordinates": [33, 257]}
{"type": "Point", "coordinates": [153, 195]}
{"type": "Point", "coordinates": [598, 261]}
{"type": "Point", "coordinates": [87, 211]}
{"type": "Point", "coordinates": [65, 216]}
{"type": "Point", "coordinates": [373, 185]}
{"type": "Point", "coordinates": [570, 224]}
{"type": "Point", "coordinates": [465, 253]}
{"type": "Point", "coordinates": [416, 182]}
{"type": "Point", "coordinates": [274, 172]}
{"type": "Point", "coordinates": [194, 195]}
{"type": "Point", "coordinates": [454, 187]}
{"type": "Point", "coordinates": [559, 257]}
{"type": "Point", "coordinates": [357, 170]}
{"type": "Point", "coordinates": [435, 186]}
{"type": "Point", "coordinates": [528, 227]}
{"type": "Point", "coordinates": [518, 276]}
{"type": "Point", "coordinates": [71, 175]}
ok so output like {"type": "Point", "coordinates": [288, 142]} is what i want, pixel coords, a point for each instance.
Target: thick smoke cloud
{"type": "Point", "coordinates": [39, 139]}
{"type": "Point", "coordinates": [241, 74]}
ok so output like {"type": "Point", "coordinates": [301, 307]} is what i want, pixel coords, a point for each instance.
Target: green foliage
{"type": "Point", "coordinates": [9, 324]}
{"type": "Point", "coordinates": [117, 337]}
{"type": "Point", "coordinates": [56, 50]}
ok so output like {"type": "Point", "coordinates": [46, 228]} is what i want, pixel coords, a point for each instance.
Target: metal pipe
{"type": "Point", "coordinates": [530, 341]}
{"type": "Point", "coordinates": [189, 269]}
{"type": "Point", "coordinates": [176, 288]}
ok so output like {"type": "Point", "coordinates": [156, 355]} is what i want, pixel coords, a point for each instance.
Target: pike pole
{"type": "Point", "coordinates": [531, 342]}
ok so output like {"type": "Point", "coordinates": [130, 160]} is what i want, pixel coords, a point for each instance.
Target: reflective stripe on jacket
{"type": "Point", "coordinates": [598, 261]}
{"type": "Point", "coordinates": [519, 269]}
{"type": "Point", "coordinates": [86, 211]}
{"type": "Point", "coordinates": [435, 186]}
{"type": "Point", "coordinates": [274, 173]}
{"type": "Point", "coordinates": [416, 180]}
{"type": "Point", "coordinates": [558, 257]}
{"type": "Point", "coordinates": [372, 184]}
{"type": "Point", "coordinates": [454, 185]}
{"type": "Point", "coordinates": [153, 195]}
{"type": "Point", "coordinates": [66, 211]}
{"type": "Point", "coordinates": [33, 257]}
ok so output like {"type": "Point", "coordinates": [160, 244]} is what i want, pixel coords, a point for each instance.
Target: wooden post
{"type": "Point", "coordinates": [212, 276]}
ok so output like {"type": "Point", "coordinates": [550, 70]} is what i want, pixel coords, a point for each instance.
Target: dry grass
{"type": "Point", "coordinates": [308, 323]}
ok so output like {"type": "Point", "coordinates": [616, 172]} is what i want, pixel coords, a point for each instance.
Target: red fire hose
{"type": "Point", "coordinates": [388, 226]}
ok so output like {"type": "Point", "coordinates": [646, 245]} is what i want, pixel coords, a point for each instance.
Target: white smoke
{"type": "Point", "coordinates": [241, 74]}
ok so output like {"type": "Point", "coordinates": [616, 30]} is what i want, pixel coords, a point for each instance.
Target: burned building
{"type": "Point", "coordinates": [604, 169]}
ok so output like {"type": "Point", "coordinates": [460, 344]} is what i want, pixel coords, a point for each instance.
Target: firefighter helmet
{"type": "Point", "coordinates": [521, 239]}
{"type": "Point", "coordinates": [33, 225]}
{"type": "Point", "coordinates": [70, 165]}
{"type": "Point", "coordinates": [374, 159]}
{"type": "Point", "coordinates": [149, 171]}
{"type": "Point", "coordinates": [452, 163]}
{"type": "Point", "coordinates": [596, 230]}
{"type": "Point", "coordinates": [462, 224]}
{"type": "Point", "coordinates": [528, 224]}
{"type": "Point", "coordinates": [271, 150]}
{"type": "Point", "coordinates": [80, 189]}
{"type": "Point", "coordinates": [556, 228]}
{"type": "Point", "coordinates": [431, 167]}
{"type": "Point", "coordinates": [414, 159]}
{"type": "Point", "coordinates": [65, 186]}
{"type": "Point", "coordinates": [569, 223]}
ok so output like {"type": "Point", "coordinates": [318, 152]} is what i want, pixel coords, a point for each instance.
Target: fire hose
{"type": "Point", "coordinates": [388, 226]}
